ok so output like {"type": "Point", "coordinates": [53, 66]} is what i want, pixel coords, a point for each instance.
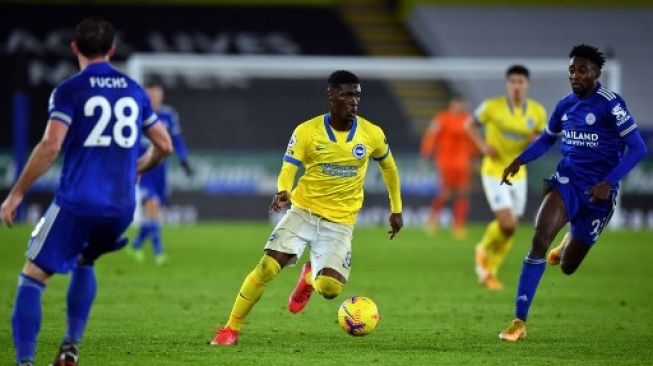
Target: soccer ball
{"type": "Point", "coordinates": [358, 316]}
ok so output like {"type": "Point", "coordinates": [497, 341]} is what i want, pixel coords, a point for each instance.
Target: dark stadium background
{"type": "Point", "coordinates": [237, 129]}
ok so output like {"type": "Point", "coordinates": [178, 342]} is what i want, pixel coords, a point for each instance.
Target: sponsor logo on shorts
{"type": "Point", "coordinates": [347, 263]}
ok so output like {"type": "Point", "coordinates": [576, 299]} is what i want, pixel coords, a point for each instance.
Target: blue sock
{"type": "Point", "coordinates": [157, 245]}
{"type": "Point", "coordinates": [531, 273]}
{"type": "Point", "coordinates": [81, 293]}
{"type": "Point", "coordinates": [143, 232]}
{"type": "Point", "coordinates": [26, 319]}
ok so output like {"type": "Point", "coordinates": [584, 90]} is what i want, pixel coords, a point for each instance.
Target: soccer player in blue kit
{"type": "Point", "coordinates": [153, 184]}
{"type": "Point", "coordinates": [596, 128]}
{"type": "Point", "coordinates": [95, 120]}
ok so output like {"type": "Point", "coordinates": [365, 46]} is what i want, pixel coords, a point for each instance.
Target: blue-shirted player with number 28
{"type": "Point", "coordinates": [95, 119]}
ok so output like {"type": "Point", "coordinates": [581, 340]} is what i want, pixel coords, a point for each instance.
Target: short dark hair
{"type": "Point", "coordinates": [340, 77]}
{"type": "Point", "coordinates": [518, 70]}
{"type": "Point", "coordinates": [589, 52]}
{"type": "Point", "coordinates": [94, 36]}
{"type": "Point", "coordinates": [153, 82]}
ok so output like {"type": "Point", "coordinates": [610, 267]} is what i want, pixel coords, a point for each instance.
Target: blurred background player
{"type": "Point", "coordinates": [596, 128]}
{"type": "Point", "coordinates": [334, 149]}
{"type": "Point", "coordinates": [95, 118]}
{"type": "Point", "coordinates": [447, 143]}
{"type": "Point", "coordinates": [153, 184]}
{"type": "Point", "coordinates": [511, 122]}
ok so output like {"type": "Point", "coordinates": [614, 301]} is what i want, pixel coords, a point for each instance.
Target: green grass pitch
{"type": "Point", "coordinates": [432, 310]}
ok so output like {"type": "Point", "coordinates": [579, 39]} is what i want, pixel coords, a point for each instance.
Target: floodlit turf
{"type": "Point", "coordinates": [432, 310]}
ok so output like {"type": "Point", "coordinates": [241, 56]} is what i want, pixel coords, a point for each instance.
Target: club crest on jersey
{"type": "Point", "coordinates": [530, 123]}
{"type": "Point", "coordinates": [359, 151]}
{"type": "Point", "coordinates": [590, 118]}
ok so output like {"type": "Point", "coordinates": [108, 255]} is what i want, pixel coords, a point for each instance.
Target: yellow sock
{"type": "Point", "coordinates": [328, 287]}
{"type": "Point", "coordinates": [492, 235]}
{"type": "Point", "coordinates": [252, 289]}
{"type": "Point", "coordinates": [498, 255]}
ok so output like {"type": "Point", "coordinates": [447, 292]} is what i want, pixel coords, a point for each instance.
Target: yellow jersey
{"type": "Point", "coordinates": [335, 164]}
{"type": "Point", "coordinates": [508, 129]}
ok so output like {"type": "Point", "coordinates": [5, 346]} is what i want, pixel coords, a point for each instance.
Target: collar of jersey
{"type": "Point", "coordinates": [329, 130]}
{"type": "Point", "coordinates": [524, 106]}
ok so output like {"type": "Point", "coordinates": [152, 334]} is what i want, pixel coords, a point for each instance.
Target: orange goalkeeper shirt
{"type": "Point", "coordinates": [447, 142]}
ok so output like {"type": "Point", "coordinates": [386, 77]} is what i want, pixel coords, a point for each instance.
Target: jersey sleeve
{"type": "Point", "coordinates": [380, 147]}
{"type": "Point", "coordinates": [61, 106]}
{"type": "Point", "coordinates": [149, 116]}
{"type": "Point", "coordinates": [620, 117]}
{"type": "Point", "coordinates": [482, 113]}
{"type": "Point", "coordinates": [554, 127]}
{"type": "Point", "coordinates": [296, 151]}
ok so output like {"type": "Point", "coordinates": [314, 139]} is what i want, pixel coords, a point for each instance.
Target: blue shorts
{"type": "Point", "coordinates": [61, 236]}
{"type": "Point", "coordinates": [587, 220]}
{"type": "Point", "coordinates": [153, 185]}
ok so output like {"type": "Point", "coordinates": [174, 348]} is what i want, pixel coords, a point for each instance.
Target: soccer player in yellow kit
{"type": "Point", "coordinates": [334, 149]}
{"type": "Point", "coordinates": [511, 122]}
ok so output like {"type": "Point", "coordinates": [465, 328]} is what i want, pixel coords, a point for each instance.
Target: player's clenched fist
{"type": "Point", "coordinates": [279, 200]}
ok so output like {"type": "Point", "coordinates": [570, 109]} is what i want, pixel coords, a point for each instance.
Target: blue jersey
{"type": "Point", "coordinates": [592, 131]}
{"type": "Point", "coordinates": [153, 182]}
{"type": "Point", "coordinates": [105, 111]}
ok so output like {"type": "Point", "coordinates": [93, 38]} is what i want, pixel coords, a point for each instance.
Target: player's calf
{"type": "Point", "coordinates": [573, 255]}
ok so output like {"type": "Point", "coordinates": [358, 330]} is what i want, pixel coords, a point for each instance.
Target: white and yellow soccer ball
{"type": "Point", "coordinates": [358, 316]}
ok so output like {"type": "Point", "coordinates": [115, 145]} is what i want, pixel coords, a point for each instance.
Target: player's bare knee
{"type": "Point", "coordinates": [267, 269]}
{"type": "Point", "coordinates": [328, 287]}
{"type": "Point", "coordinates": [507, 225]}
{"type": "Point", "coordinates": [508, 229]}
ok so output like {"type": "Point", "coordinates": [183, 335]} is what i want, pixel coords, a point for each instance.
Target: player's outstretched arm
{"type": "Point", "coordinates": [160, 148]}
{"type": "Point", "coordinates": [42, 157]}
{"type": "Point", "coordinates": [392, 182]}
{"type": "Point", "coordinates": [532, 152]}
